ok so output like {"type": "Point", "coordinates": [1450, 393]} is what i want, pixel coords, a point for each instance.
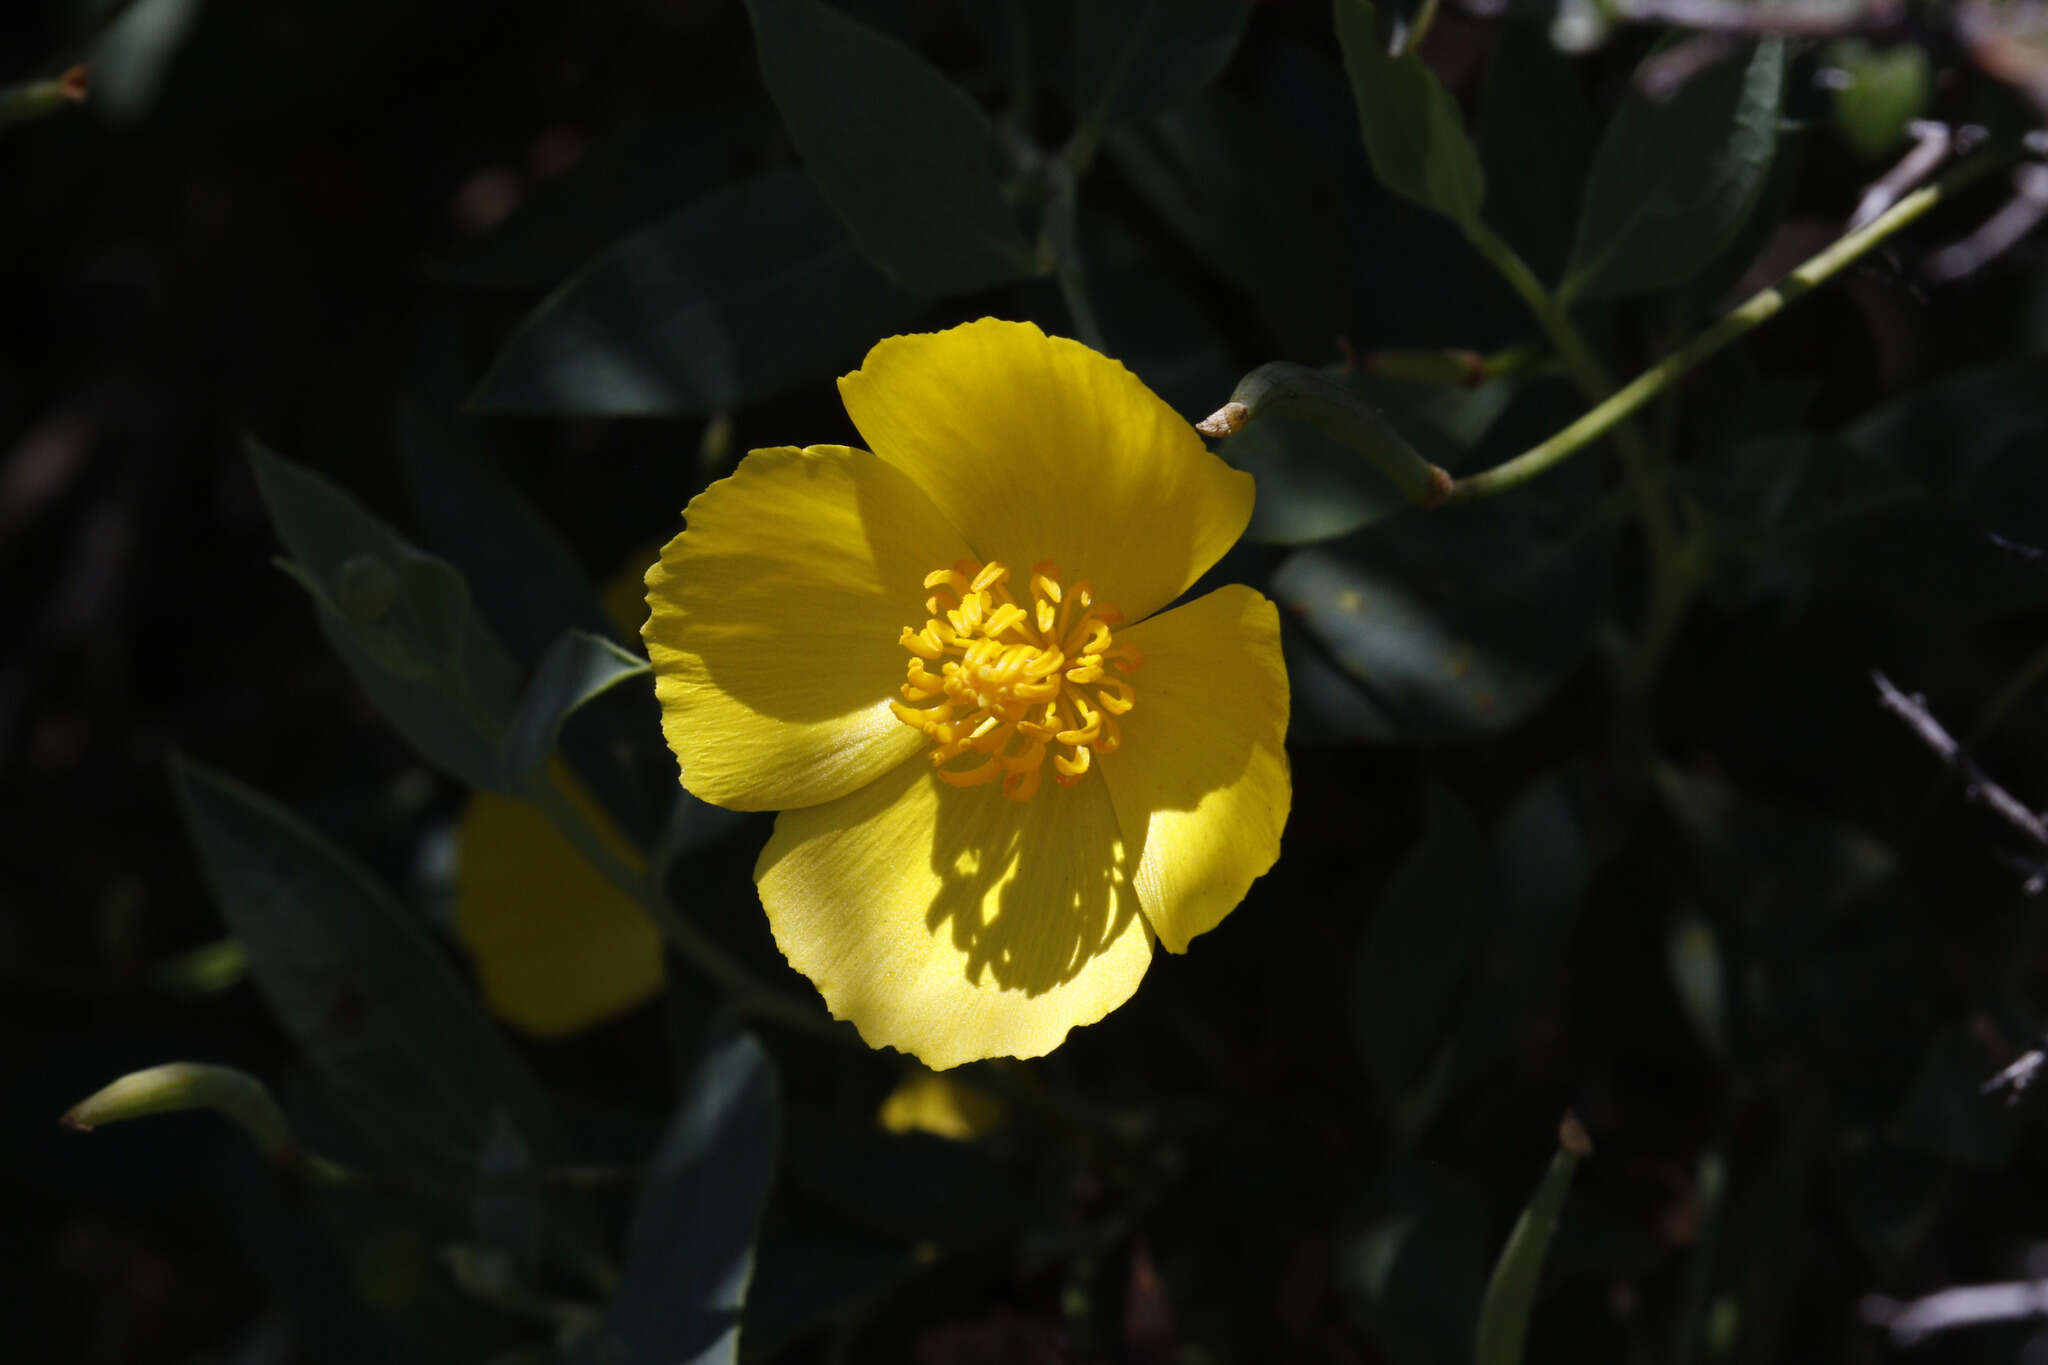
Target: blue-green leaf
{"type": "Point", "coordinates": [1457, 622]}
{"type": "Point", "coordinates": [579, 667]}
{"type": "Point", "coordinates": [1133, 58]}
{"type": "Point", "coordinates": [690, 1249]}
{"type": "Point", "coordinates": [1412, 128]}
{"type": "Point", "coordinates": [527, 582]}
{"type": "Point", "coordinates": [746, 291]}
{"type": "Point", "coordinates": [1244, 198]}
{"type": "Point", "coordinates": [388, 1026]}
{"type": "Point", "coordinates": [1420, 1268]}
{"type": "Point", "coordinates": [1674, 180]}
{"type": "Point", "coordinates": [1415, 948]}
{"type": "Point", "coordinates": [401, 620]}
{"type": "Point", "coordinates": [902, 155]}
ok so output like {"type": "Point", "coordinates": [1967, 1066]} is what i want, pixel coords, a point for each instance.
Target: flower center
{"type": "Point", "coordinates": [1002, 683]}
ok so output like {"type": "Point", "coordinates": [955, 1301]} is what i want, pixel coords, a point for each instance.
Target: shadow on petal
{"type": "Point", "coordinates": [1029, 891]}
{"type": "Point", "coordinates": [954, 923]}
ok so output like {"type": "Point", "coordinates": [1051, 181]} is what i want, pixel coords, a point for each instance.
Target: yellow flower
{"type": "Point", "coordinates": [996, 788]}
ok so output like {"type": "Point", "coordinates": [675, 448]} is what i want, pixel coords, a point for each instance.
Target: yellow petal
{"type": "Point", "coordinates": [1039, 448]}
{"type": "Point", "coordinates": [557, 947]}
{"type": "Point", "coordinates": [776, 621]}
{"type": "Point", "coordinates": [1200, 785]}
{"type": "Point", "coordinates": [952, 922]}
{"type": "Point", "coordinates": [924, 1102]}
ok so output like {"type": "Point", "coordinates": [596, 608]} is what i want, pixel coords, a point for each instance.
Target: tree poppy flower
{"type": "Point", "coordinates": [1002, 769]}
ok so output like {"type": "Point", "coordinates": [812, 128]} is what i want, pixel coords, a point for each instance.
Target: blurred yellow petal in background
{"type": "Point", "coordinates": [557, 948]}
{"type": "Point", "coordinates": [926, 1102]}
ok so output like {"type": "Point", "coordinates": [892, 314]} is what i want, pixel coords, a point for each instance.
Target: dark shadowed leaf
{"type": "Point", "coordinates": [690, 1249]}
{"type": "Point", "coordinates": [1674, 181]}
{"type": "Point", "coordinates": [1538, 868]}
{"type": "Point", "coordinates": [1413, 131]}
{"type": "Point", "coordinates": [902, 155]}
{"type": "Point", "coordinates": [399, 1043]}
{"type": "Point", "coordinates": [1415, 947]}
{"type": "Point", "coordinates": [579, 668]}
{"type": "Point", "coordinates": [1457, 622]}
{"type": "Point", "coordinates": [746, 291]}
{"type": "Point", "coordinates": [401, 620]}
{"type": "Point", "coordinates": [1419, 1267]}
{"type": "Point", "coordinates": [1218, 177]}
{"type": "Point", "coordinates": [1133, 58]}
{"type": "Point", "coordinates": [508, 1222]}
{"type": "Point", "coordinates": [527, 582]}
{"type": "Point", "coordinates": [1314, 488]}
{"type": "Point", "coordinates": [1536, 136]}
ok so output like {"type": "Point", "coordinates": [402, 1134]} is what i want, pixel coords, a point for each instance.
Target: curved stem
{"type": "Point", "coordinates": [1754, 312]}
{"type": "Point", "coordinates": [1670, 573]}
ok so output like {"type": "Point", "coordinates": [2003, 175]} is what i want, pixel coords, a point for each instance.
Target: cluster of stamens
{"type": "Point", "coordinates": [1006, 683]}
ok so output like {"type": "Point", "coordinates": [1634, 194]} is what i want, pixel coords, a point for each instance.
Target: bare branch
{"type": "Point", "coordinates": [1977, 785]}
{"type": "Point", "coordinates": [1969, 1305]}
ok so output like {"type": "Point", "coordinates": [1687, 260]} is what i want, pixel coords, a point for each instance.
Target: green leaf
{"type": "Point", "coordinates": [690, 1249]}
{"type": "Point", "coordinates": [906, 160]}
{"type": "Point", "coordinates": [1414, 949]}
{"type": "Point", "coordinates": [748, 290]}
{"type": "Point", "coordinates": [1133, 58]}
{"type": "Point", "coordinates": [401, 620]}
{"type": "Point", "coordinates": [527, 582]}
{"type": "Point", "coordinates": [1457, 622]}
{"type": "Point", "coordinates": [1536, 138]}
{"type": "Point", "coordinates": [1420, 1267]}
{"type": "Point", "coordinates": [1538, 867]}
{"type": "Point", "coordinates": [1674, 181]}
{"type": "Point", "coordinates": [1511, 1293]}
{"type": "Point", "coordinates": [1313, 488]}
{"type": "Point", "coordinates": [1413, 131]}
{"type": "Point", "coordinates": [396, 1039]}
{"type": "Point", "coordinates": [1881, 92]}
{"type": "Point", "coordinates": [580, 667]}
{"type": "Point", "coordinates": [1243, 198]}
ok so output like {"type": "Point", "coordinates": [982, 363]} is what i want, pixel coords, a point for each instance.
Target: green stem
{"type": "Point", "coordinates": [748, 993]}
{"type": "Point", "coordinates": [1670, 561]}
{"type": "Point", "coordinates": [1758, 309]}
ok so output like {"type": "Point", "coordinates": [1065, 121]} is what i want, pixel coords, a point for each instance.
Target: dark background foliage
{"type": "Point", "coordinates": [1737, 919]}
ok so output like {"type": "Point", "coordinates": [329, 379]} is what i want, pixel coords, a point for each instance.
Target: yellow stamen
{"type": "Point", "coordinates": [1006, 684]}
